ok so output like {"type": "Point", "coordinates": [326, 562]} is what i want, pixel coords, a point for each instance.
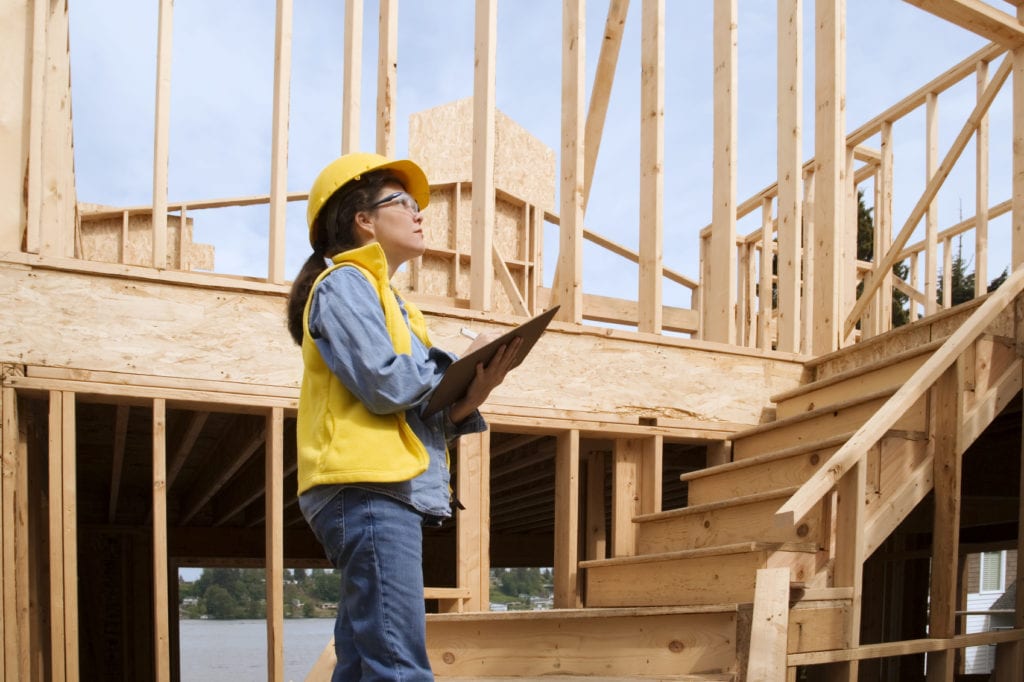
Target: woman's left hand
{"type": "Point", "coordinates": [487, 378]}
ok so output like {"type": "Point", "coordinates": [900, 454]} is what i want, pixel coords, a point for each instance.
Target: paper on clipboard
{"type": "Point", "coordinates": [460, 374]}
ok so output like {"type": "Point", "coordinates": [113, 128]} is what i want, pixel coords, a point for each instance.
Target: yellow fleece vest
{"type": "Point", "coordinates": [339, 440]}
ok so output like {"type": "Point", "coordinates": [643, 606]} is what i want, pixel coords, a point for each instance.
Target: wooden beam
{"type": "Point", "coordinates": [352, 68]}
{"type": "Point", "coordinates": [1017, 186]}
{"type": "Point", "coordinates": [904, 648]}
{"type": "Point", "coordinates": [764, 283]}
{"type": "Point", "coordinates": [625, 495]}
{"type": "Point", "coordinates": [243, 440]}
{"type": "Point", "coordinates": [387, 77]}
{"type": "Point", "coordinates": [718, 309]}
{"type": "Point", "coordinates": [10, 637]}
{"type": "Point", "coordinates": [117, 460]}
{"type": "Point", "coordinates": [69, 527]}
{"type": "Point", "coordinates": [652, 164]}
{"type": "Point", "coordinates": [279, 142]}
{"type": "Point", "coordinates": [482, 245]}
{"type": "Point", "coordinates": [597, 536]}
{"type": "Point", "coordinates": [769, 631]}
{"type": "Point", "coordinates": [790, 142]}
{"type": "Point", "coordinates": [946, 408]}
{"type": "Point", "coordinates": [607, 59]}
{"type": "Point", "coordinates": [58, 657]}
{"type": "Point", "coordinates": [651, 473]}
{"type": "Point", "coordinates": [829, 167]}
{"type": "Point", "coordinates": [849, 553]}
{"type": "Point", "coordinates": [978, 17]}
{"type": "Point", "coordinates": [567, 507]}
{"type": "Point", "coordinates": [161, 132]}
{"type": "Point", "coordinates": [37, 101]}
{"type": "Point", "coordinates": [275, 544]}
{"type": "Point", "coordinates": [161, 567]}
{"type": "Point", "coordinates": [872, 282]}
{"type": "Point", "coordinates": [473, 530]}
{"type": "Point", "coordinates": [931, 220]}
{"type": "Point", "coordinates": [981, 193]}
{"type": "Point", "coordinates": [569, 292]}
{"type": "Point", "coordinates": [185, 444]}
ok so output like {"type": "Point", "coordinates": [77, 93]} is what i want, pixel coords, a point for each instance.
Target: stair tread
{"type": "Point", "coordinates": [857, 371]}
{"type": "Point", "coordinates": [717, 550]}
{"type": "Point", "coordinates": [573, 614]}
{"type": "Point", "coordinates": [792, 451]}
{"type": "Point", "coordinates": [721, 504]}
{"type": "Point", "coordinates": [811, 414]}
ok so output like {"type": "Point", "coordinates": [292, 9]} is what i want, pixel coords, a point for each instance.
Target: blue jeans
{"type": "Point", "coordinates": [376, 544]}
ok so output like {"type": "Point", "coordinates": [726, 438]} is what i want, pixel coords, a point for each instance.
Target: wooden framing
{"type": "Point", "coordinates": [482, 245]}
{"type": "Point", "coordinates": [279, 140]}
{"type": "Point", "coordinates": [981, 193]}
{"type": "Point", "coordinates": [569, 290]}
{"type": "Point", "coordinates": [274, 522]}
{"type": "Point", "coordinates": [352, 84]}
{"type": "Point", "coordinates": [567, 471]}
{"type": "Point", "coordinates": [652, 164]}
{"type": "Point", "coordinates": [1017, 188]}
{"type": "Point", "coordinates": [387, 76]}
{"type": "Point", "coordinates": [161, 132]}
{"type": "Point", "coordinates": [473, 545]}
{"type": "Point", "coordinates": [161, 566]}
{"type": "Point", "coordinates": [790, 140]}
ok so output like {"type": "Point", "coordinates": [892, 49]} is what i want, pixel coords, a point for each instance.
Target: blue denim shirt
{"type": "Point", "coordinates": [347, 324]}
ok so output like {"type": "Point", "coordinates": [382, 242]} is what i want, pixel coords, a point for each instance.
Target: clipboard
{"type": "Point", "coordinates": [461, 372]}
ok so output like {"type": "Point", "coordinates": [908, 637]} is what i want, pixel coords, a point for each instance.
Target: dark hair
{"type": "Point", "coordinates": [333, 232]}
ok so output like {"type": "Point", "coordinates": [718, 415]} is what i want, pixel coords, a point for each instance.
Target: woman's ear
{"type": "Point", "coordinates": [364, 227]}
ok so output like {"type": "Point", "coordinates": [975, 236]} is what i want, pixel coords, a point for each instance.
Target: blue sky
{"type": "Point", "coordinates": [223, 82]}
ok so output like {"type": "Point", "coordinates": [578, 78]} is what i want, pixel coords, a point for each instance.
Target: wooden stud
{"type": "Point", "coordinates": [569, 292]}
{"type": "Point", "coordinates": [117, 465]}
{"type": "Point", "coordinates": [719, 309]}
{"type": "Point", "coordinates": [981, 175]}
{"type": "Point", "coordinates": [770, 625]}
{"type": "Point", "coordinates": [651, 450]}
{"type": "Point", "coordinates": [37, 101]}
{"type": "Point", "coordinates": [1017, 186]}
{"type": "Point", "coordinates": [453, 287]}
{"type": "Point", "coordinates": [652, 165]}
{"type": "Point", "coordinates": [607, 59]}
{"type": "Point", "coordinates": [161, 132]}
{"type": "Point", "coordinates": [274, 523]}
{"type": "Point", "coordinates": [161, 608]}
{"type": "Point", "coordinates": [1018, 617]}
{"type": "Point", "coordinates": [979, 17]}
{"type": "Point", "coordinates": [932, 214]}
{"type": "Point", "coordinates": [474, 522]}
{"type": "Point", "coordinates": [807, 279]}
{"type": "Point", "coordinates": [790, 141]}
{"type": "Point", "coordinates": [947, 273]}
{"type": "Point", "coordinates": [883, 226]}
{"type": "Point", "coordinates": [597, 537]}
{"type": "Point", "coordinates": [848, 245]}
{"type": "Point", "coordinates": [625, 495]}
{"type": "Point", "coordinates": [849, 552]}
{"type": "Point", "coordinates": [829, 165]}
{"type": "Point", "coordinates": [482, 245]}
{"type": "Point", "coordinates": [10, 637]}
{"type": "Point", "coordinates": [353, 63]}
{"type": "Point", "coordinates": [871, 283]}
{"type": "Point", "coordinates": [58, 656]}
{"type": "Point", "coordinates": [28, 547]}
{"type": "Point", "coordinates": [764, 285]}
{"type": "Point", "coordinates": [946, 410]}
{"type": "Point", "coordinates": [387, 77]}
{"type": "Point", "coordinates": [567, 494]}
{"type": "Point", "coordinates": [279, 142]}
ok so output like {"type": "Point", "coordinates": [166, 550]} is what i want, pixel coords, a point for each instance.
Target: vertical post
{"type": "Point", "coordinates": [1017, 201]}
{"type": "Point", "coordinates": [931, 269]}
{"type": "Point", "coordinates": [790, 141]}
{"type": "Point", "coordinates": [770, 625]}
{"type": "Point", "coordinates": [274, 526]}
{"type": "Point", "coordinates": [485, 50]}
{"type": "Point", "coordinates": [69, 523]}
{"type": "Point", "coordinates": [279, 142]}
{"type": "Point", "coordinates": [1018, 617]}
{"type": "Point", "coordinates": [474, 522]}
{"type": "Point", "coordinates": [651, 450]}
{"type": "Point", "coordinates": [764, 285]}
{"type": "Point", "coordinates": [807, 279]}
{"type": "Point", "coordinates": [883, 226]}
{"type": "Point", "coordinates": [719, 313]}
{"type": "Point", "coordinates": [849, 561]}
{"type": "Point", "coordinates": [161, 609]}
{"type": "Point", "coordinates": [945, 410]}
{"type": "Point", "coordinates": [981, 191]}
{"type": "Point", "coordinates": [352, 83]}
{"type": "Point", "coordinates": [625, 495]}
{"type": "Point", "coordinates": [597, 537]}
{"type": "Point", "coordinates": [947, 272]}
{"type": "Point", "coordinates": [161, 132]}
{"type": "Point", "coordinates": [848, 244]}
{"type": "Point", "coordinates": [652, 163]}
{"type": "Point", "coordinates": [567, 509]}
{"type": "Point", "coordinates": [34, 179]}
{"type": "Point", "coordinates": [387, 77]}
{"type": "Point", "coordinates": [569, 290]}
{"type": "Point", "coordinates": [55, 473]}
{"type": "Point", "coordinates": [829, 171]}
{"type": "Point", "coordinates": [10, 637]}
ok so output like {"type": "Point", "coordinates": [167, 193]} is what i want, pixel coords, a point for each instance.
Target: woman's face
{"type": "Point", "coordinates": [395, 225]}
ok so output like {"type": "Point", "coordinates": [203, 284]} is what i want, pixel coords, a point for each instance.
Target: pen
{"type": "Point", "coordinates": [468, 333]}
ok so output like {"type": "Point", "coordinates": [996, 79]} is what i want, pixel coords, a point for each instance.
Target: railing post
{"type": "Point", "coordinates": [474, 522]}
{"type": "Point", "coordinates": [849, 559]}
{"type": "Point", "coordinates": [567, 512]}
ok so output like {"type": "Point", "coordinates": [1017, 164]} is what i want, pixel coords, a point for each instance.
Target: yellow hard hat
{"type": "Point", "coordinates": [351, 167]}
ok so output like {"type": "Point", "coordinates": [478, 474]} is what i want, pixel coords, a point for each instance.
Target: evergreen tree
{"type": "Point", "coordinates": [866, 252]}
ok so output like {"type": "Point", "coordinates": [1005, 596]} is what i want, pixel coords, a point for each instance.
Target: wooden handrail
{"type": "Point", "coordinates": [826, 478]}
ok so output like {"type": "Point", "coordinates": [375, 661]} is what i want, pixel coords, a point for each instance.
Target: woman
{"type": "Point", "coordinates": [372, 469]}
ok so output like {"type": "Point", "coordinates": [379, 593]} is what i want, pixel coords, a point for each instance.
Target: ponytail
{"type": "Point", "coordinates": [301, 287]}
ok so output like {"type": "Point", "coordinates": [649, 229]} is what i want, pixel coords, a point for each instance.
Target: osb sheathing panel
{"type": "Point", "coordinates": [437, 219]}
{"type": "Point", "coordinates": [65, 319]}
{"type": "Point", "coordinates": [101, 240]}
{"type": "Point", "coordinates": [441, 141]}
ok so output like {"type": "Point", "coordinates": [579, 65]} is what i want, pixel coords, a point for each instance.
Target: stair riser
{"type": "Point", "coordinates": [711, 579]}
{"type": "Point", "coordinates": [741, 523]}
{"type": "Point", "coordinates": [807, 431]}
{"type": "Point", "coordinates": [760, 478]}
{"type": "Point", "coordinates": [884, 378]}
{"type": "Point", "coordinates": [649, 645]}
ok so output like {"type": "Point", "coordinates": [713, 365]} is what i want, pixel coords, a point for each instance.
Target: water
{"type": "Point", "coordinates": [221, 650]}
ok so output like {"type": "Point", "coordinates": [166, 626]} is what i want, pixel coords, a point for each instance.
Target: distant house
{"type": "Point", "coordinates": [990, 603]}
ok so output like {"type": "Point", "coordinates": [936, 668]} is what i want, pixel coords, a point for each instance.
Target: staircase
{"type": "Point", "coordinates": [682, 604]}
